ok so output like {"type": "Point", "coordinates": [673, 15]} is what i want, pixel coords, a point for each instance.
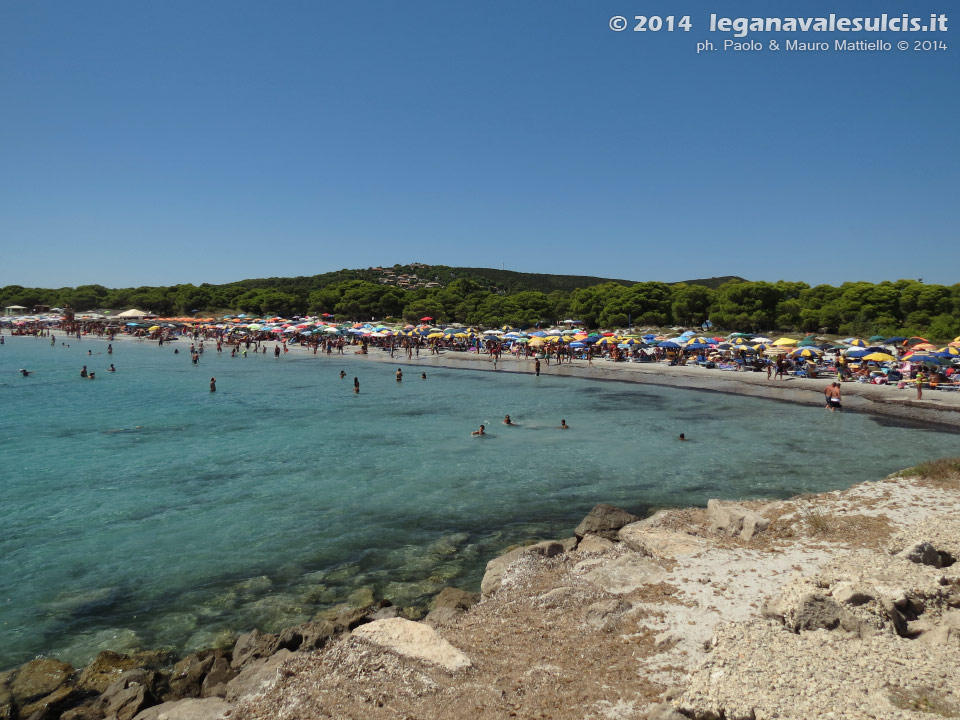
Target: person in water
{"type": "Point", "coordinates": [507, 420]}
{"type": "Point", "coordinates": [423, 376]}
{"type": "Point", "coordinates": [356, 385]}
{"type": "Point", "coordinates": [563, 425]}
{"type": "Point", "coordinates": [25, 372]}
{"type": "Point", "coordinates": [481, 431]}
{"type": "Point", "coordinates": [111, 368]}
{"type": "Point", "coordinates": [92, 376]}
{"type": "Point", "coordinates": [682, 436]}
{"type": "Point", "coordinates": [343, 374]}
{"type": "Point", "coordinates": [399, 375]}
{"type": "Point", "coordinates": [213, 384]}
{"type": "Point", "coordinates": [83, 371]}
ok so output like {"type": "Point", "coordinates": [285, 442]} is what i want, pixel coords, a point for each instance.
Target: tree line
{"type": "Point", "coordinates": [853, 308]}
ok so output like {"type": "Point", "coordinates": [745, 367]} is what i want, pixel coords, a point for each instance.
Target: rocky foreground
{"type": "Point", "coordinates": [839, 605]}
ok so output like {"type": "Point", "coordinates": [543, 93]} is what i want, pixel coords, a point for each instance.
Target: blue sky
{"type": "Point", "coordinates": [155, 143]}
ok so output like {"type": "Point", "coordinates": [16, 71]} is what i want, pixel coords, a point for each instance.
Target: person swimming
{"type": "Point", "coordinates": [481, 431]}
{"type": "Point", "coordinates": [25, 372]}
{"type": "Point", "coordinates": [563, 425]}
{"type": "Point", "coordinates": [343, 374]}
{"type": "Point", "coordinates": [683, 437]}
{"type": "Point", "coordinates": [356, 385]}
{"type": "Point", "coordinates": [423, 376]}
{"type": "Point", "coordinates": [507, 420]}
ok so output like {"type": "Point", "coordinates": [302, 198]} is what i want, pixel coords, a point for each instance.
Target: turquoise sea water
{"type": "Point", "coordinates": [141, 510]}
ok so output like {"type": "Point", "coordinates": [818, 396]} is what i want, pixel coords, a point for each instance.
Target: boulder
{"type": "Point", "coordinates": [39, 678]}
{"type": "Point", "coordinates": [625, 574]}
{"type": "Point", "coordinates": [734, 519]}
{"type": "Point", "coordinates": [595, 544]}
{"type": "Point", "coordinates": [90, 710]}
{"type": "Point", "coordinates": [664, 711]}
{"type": "Point", "coordinates": [253, 646]}
{"type": "Point", "coordinates": [190, 709]}
{"type": "Point", "coordinates": [105, 670]}
{"type": "Point", "coordinates": [658, 542]}
{"type": "Point", "coordinates": [309, 636]}
{"type": "Point", "coordinates": [493, 575]}
{"type": "Point", "coordinates": [923, 553]}
{"type": "Point", "coordinates": [217, 677]}
{"type": "Point", "coordinates": [414, 640]}
{"type": "Point", "coordinates": [256, 677]}
{"type": "Point", "coordinates": [126, 697]}
{"type": "Point", "coordinates": [451, 602]}
{"type": "Point", "coordinates": [51, 706]}
{"type": "Point", "coordinates": [605, 521]}
{"type": "Point", "coordinates": [187, 675]}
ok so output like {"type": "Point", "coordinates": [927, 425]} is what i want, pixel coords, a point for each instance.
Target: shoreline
{"type": "Point", "coordinates": [677, 611]}
{"type": "Point", "coordinates": [941, 408]}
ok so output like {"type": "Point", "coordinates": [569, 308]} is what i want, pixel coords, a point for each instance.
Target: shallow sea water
{"type": "Point", "coordinates": [141, 510]}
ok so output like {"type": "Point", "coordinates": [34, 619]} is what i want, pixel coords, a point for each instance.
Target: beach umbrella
{"type": "Point", "coordinates": [741, 341]}
{"type": "Point", "coordinates": [856, 352]}
{"type": "Point", "coordinates": [784, 341]}
{"type": "Point", "coordinates": [697, 346]}
{"type": "Point", "coordinates": [878, 357]}
{"type": "Point", "coordinates": [152, 328]}
{"type": "Point", "coordinates": [951, 350]}
{"type": "Point", "coordinates": [537, 342]}
{"type": "Point", "coordinates": [741, 335]}
{"type": "Point", "coordinates": [426, 318]}
{"type": "Point", "coordinates": [577, 344]}
{"type": "Point", "coordinates": [808, 341]}
{"type": "Point", "coordinates": [805, 352]}
{"type": "Point", "coordinates": [856, 342]}
{"type": "Point", "coordinates": [761, 339]}
{"type": "Point", "coordinates": [876, 338]}
{"type": "Point", "coordinates": [915, 340]}
{"type": "Point", "coordinates": [923, 346]}
{"type": "Point", "coordinates": [668, 344]}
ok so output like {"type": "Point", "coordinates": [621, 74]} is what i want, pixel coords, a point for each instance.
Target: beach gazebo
{"type": "Point", "coordinates": [11, 310]}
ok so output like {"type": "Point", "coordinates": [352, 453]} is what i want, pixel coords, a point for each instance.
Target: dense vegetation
{"type": "Point", "coordinates": [478, 296]}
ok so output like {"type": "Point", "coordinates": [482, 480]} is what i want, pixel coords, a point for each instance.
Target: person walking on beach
{"type": "Point", "coordinates": [213, 384]}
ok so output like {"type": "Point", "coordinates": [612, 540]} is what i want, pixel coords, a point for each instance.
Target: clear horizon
{"type": "Point", "coordinates": [200, 142]}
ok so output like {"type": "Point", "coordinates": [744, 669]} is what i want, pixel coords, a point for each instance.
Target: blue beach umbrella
{"type": "Point", "coordinates": [668, 344]}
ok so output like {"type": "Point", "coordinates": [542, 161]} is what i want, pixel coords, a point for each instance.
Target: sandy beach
{"type": "Point", "coordinates": [937, 406]}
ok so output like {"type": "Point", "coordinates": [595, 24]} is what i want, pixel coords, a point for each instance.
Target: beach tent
{"type": "Point", "coordinates": [132, 314]}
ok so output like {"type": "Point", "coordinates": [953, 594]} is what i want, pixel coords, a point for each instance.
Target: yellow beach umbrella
{"type": "Point", "coordinates": [151, 329]}
{"type": "Point", "coordinates": [536, 342]}
{"type": "Point", "coordinates": [879, 357]}
{"type": "Point", "coordinates": [784, 341]}
{"type": "Point", "coordinates": [435, 335]}
{"type": "Point", "coordinates": [950, 349]}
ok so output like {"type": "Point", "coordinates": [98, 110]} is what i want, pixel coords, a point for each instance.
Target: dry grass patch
{"type": "Point", "coordinates": [925, 701]}
{"type": "Point", "coordinates": [942, 474]}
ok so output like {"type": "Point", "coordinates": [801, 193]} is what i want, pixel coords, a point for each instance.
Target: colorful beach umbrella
{"type": "Point", "coordinates": [878, 357]}
{"type": "Point", "coordinates": [784, 342]}
{"type": "Point", "coordinates": [805, 353]}
{"type": "Point", "coordinates": [857, 342]}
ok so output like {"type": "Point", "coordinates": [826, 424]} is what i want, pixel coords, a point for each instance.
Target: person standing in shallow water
{"type": "Point", "coordinates": [536, 367]}
{"type": "Point", "coordinates": [356, 385]}
{"type": "Point", "coordinates": [83, 371]}
{"type": "Point", "coordinates": [213, 384]}
{"type": "Point", "coordinates": [399, 375]}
